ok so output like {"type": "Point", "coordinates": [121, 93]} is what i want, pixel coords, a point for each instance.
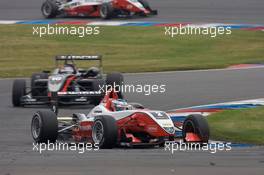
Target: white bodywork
{"type": "Point", "coordinates": [77, 3]}
{"type": "Point", "coordinates": [137, 4]}
{"type": "Point", "coordinates": [101, 110]}
{"type": "Point", "coordinates": [55, 82]}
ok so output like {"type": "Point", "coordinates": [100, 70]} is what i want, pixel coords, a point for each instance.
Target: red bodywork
{"type": "Point", "coordinates": [192, 137]}
{"type": "Point", "coordinates": [137, 123]}
{"type": "Point", "coordinates": [130, 126]}
{"type": "Point", "coordinates": [125, 5]}
{"type": "Point", "coordinates": [94, 10]}
{"type": "Point", "coordinates": [87, 10]}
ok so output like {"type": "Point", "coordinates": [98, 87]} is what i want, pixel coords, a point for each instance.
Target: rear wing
{"type": "Point", "coordinates": [78, 57]}
{"type": "Point", "coordinates": [72, 58]}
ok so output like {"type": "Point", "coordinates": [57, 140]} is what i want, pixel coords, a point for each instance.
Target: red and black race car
{"type": "Point", "coordinates": [66, 85]}
{"type": "Point", "coordinates": [114, 122]}
{"type": "Point", "coordinates": [105, 9]}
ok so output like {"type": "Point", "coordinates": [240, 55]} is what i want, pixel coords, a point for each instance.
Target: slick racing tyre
{"type": "Point", "coordinates": [49, 9]}
{"type": "Point", "coordinates": [114, 80]}
{"type": "Point", "coordinates": [19, 90]}
{"type": "Point", "coordinates": [196, 124]}
{"type": "Point", "coordinates": [106, 11]}
{"type": "Point", "coordinates": [35, 89]}
{"type": "Point", "coordinates": [104, 132]}
{"type": "Point", "coordinates": [44, 127]}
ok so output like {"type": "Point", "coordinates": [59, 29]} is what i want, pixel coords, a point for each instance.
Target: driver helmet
{"type": "Point", "coordinates": [93, 72]}
{"type": "Point", "coordinates": [67, 69]}
{"type": "Point", "coordinates": [120, 105]}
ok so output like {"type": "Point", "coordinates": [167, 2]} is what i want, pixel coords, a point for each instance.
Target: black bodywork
{"type": "Point", "coordinates": [77, 86]}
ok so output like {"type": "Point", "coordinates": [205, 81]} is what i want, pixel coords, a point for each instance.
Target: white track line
{"type": "Point", "coordinates": [259, 101]}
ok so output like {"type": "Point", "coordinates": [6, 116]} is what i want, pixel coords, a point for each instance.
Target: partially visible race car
{"type": "Point", "coordinates": [115, 123]}
{"type": "Point", "coordinates": [105, 9]}
{"type": "Point", "coordinates": [66, 85]}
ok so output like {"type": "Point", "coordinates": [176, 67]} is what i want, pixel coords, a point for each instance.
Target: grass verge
{"type": "Point", "coordinates": [241, 126]}
{"type": "Point", "coordinates": [128, 49]}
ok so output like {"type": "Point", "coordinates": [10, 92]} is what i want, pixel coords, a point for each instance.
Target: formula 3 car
{"type": "Point", "coordinates": [66, 85]}
{"type": "Point", "coordinates": [105, 9]}
{"type": "Point", "coordinates": [115, 123]}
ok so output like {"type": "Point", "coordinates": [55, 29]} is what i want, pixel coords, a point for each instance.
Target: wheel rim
{"type": "Point", "coordinates": [46, 9]}
{"type": "Point", "coordinates": [98, 132]}
{"type": "Point", "coordinates": [36, 127]}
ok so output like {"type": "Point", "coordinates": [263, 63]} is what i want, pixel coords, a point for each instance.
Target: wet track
{"type": "Point", "coordinates": [227, 11]}
{"type": "Point", "coordinates": [183, 89]}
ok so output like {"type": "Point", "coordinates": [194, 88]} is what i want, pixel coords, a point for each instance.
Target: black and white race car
{"type": "Point", "coordinates": [66, 85]}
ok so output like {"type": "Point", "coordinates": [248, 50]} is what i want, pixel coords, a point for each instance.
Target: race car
{"type": "Point", "coordinates": [115, 123]}
{"type": "Point", "coordinates": [66, 85]}
{"type": "Point", "coordinates": [105, 9]}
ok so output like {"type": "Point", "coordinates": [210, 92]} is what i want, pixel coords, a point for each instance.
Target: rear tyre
{"type": "Point", "coordinates": [196, 124]}
{"type": "Point", "coordinates": [115, 80]}
{"type": "Point", "coordinates": [106, 11]}
{"type": "Point", "coordinates": [104, 132]}
{"type": "Point", "coordinates": [19, 90]}
{"type": "Point", "coordinates": [44, 127]}
{"type": "Point", "coordinates": [49, 9]}
{"type": "Point", "coordinates": [35, 89]}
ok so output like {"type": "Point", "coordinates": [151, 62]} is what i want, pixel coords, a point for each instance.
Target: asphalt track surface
{"type": "Point", "coordinates": [222, 11]}
{"type": "Point", "coordinates": [182, 89]}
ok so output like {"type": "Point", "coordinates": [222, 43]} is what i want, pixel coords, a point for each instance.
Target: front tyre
{"type": "Point", "coordinates": [104, 132]}
{"type": "Point", "coordinates": [19, 90]}
{"type": "Point", "coordinates": [196, 124]}
{"type": "Point", "coordinates": [44, 127]}
{"type": "Point", "coordinates": [49, 9]}
{"type": "Point", "coordinates": [106, 11]}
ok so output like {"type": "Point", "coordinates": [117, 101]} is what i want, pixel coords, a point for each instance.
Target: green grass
{"type": "Point", "coordinates": [241, 126]}
{"type": "Point", "coordinates": [128, 49]}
